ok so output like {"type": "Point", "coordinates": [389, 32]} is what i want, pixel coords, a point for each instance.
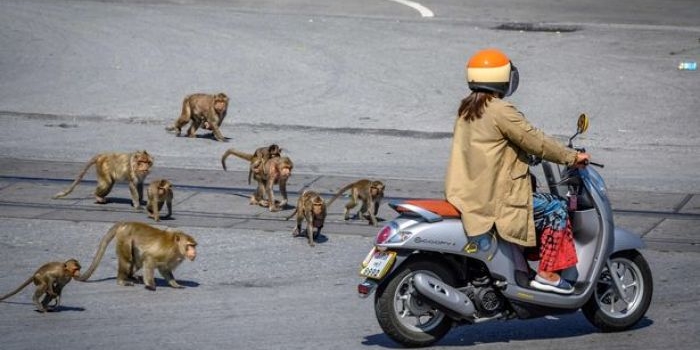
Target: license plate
{"type": "Point", "coordinates": [378, 265]}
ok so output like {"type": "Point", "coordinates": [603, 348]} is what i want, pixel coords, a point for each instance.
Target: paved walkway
{"type": "Point", "coordinates": [215, 198]}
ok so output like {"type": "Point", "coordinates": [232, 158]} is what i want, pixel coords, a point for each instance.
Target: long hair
{"type": "Point", "coordinates": [472, 106]}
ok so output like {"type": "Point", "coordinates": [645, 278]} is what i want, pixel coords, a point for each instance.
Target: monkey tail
{"type": "Point", "coordinates": [184, 115]}
{"type": "Point", "coordinates": [341, 191]}
{"type": "Point", "coordinates": [100, 251]}
{"type": "Point", "coordinates": [293, 213]}
{"type": "Point", "coordinates": [77, 179]}
{"type": "Point", "coordinates": [26, 283]}
{"type": "Point", "coordinates": [239, 154]}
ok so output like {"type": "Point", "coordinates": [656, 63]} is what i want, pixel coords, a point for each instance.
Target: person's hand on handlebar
{"type": "Point", "coordinates": [582, 159]}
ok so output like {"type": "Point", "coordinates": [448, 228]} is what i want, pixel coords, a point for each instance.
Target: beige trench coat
{"type": "Point", "coordinates": [488, 176]}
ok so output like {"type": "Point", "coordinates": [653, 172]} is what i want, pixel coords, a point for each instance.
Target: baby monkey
{"type": "Point", "coordinates": [159, 192]}
{"type": "Point", "coordinates": [312, 208]}
{"type": "Point", "coordinates": [49, 279]}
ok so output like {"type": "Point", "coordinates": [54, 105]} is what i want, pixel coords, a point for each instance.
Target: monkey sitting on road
{"type": "Point", "coordinates": [112, 167]}
{"type": "Point", "coordinates": [49, 279]}
{"type": "Point", "coordinates": [204, 110]}
{"type": "Point", "coordinates": [312, 208]}
{"type": "Point", "coordinates": [139, 246]}
{"type": "Point", "coordinates": [159, 192]}
{"type": "Point", "coordinates": [367, 191]}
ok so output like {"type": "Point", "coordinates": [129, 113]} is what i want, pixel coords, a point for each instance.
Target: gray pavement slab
{"type": "Point", "coordinates": [692, 206]}
{"type": "Point", "coordinates": [217, 198]}
{"type": "Point", "coordinates": [649, 200]}
{"type": "Point", "coordinates": [675, 231]}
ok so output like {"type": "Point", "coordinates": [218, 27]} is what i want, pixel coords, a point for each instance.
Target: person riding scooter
{"type": "Point", "coordinates": [488, 178]}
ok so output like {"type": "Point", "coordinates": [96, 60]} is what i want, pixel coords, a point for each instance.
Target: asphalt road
{"type": "Point", "coordinates": [349, 89]}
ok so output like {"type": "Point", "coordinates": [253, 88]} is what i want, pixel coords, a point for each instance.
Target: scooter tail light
{"type": "Point", "coordinates": [386, 233]}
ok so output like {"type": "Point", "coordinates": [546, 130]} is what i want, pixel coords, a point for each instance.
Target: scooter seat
{"type": "Point", "coordinates": [438, 206]}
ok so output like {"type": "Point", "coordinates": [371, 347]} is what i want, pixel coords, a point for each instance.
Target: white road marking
{"type": "Point", "coordinates": [424, 11]}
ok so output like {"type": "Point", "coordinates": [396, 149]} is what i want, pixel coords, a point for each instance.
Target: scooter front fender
{"type": "Point", "coordinates": [627, 240]}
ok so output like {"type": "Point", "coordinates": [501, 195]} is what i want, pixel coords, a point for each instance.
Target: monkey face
{"type": "Point", "coordinates": [220, 104]}
{"type": "Point", "coordinates": [317, 209]}
{"type": "Point", "coordinates": [377, 189]}
{"type": "Point", "coordinates": [144, 162]}
{"type": "Point", "coordinates": [191, 252]}
{"type": "Point", "coordinates": [72, 268]}
{"type": "Point", "coordinates": [219, 107]}
{"type": "Point", "coordinates": [186, 245]}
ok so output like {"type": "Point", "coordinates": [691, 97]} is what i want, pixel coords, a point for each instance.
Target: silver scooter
{"type": "Point", "coordinates": [428, 275]}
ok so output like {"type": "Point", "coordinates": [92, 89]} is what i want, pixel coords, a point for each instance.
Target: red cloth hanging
{"type": "Point", "coordinates": [557, 249]}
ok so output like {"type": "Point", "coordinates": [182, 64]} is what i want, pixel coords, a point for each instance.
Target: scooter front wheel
{"type": "Point", "coordinates": [403, 314]}
{"type": "Point", "coordinates": [622, 294]}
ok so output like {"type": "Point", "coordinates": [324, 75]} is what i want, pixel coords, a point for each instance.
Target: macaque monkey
{"type": "Point", "coordinates": [275, 171]}
{"type": "Point", "coordinates": [159, 192]}
{"type": "Point", "coordinates": [257, 159]}
{"type": "Point", "coordinates": [49, 279]}
{"type": "Point", "coordinates": [312, 208]}
{"type": "Point", "coordinates": [111, 167]}
{"type": "Point", "coordinates": [203, 110]}
{"type": "Point", "coordinates": [369, 192]}
{"type": "Point", "coordinates": [139, 246]}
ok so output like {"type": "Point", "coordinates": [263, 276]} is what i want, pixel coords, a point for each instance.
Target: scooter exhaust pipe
{"type": "Point", "coordinates": [444, 294]}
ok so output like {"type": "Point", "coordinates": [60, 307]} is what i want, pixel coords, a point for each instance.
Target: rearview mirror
{"type": "Point", "coordinates": [582, 124]}
{"type": "Point", "coordinates": [581, 127]}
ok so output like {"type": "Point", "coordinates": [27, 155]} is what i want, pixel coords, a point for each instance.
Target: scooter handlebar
{"type": "Point", "coordinates": [587, 162]}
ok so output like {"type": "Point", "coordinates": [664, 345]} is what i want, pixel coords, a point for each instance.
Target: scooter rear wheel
{"type": "Point", "coordinates": [402, 313]}
{"type": "Point", "coordinates": [613, 310]}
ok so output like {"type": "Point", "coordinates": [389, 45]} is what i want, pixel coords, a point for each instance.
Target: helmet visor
{"type": "Point", "coordinates": [514, 80]}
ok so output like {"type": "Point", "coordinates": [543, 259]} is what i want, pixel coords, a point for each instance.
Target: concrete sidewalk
{"type": "Point", "coordinates": [215, 198]}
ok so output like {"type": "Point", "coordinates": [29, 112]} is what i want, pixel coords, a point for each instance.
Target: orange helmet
{"type": "Point", "coordinates": [492, 70]}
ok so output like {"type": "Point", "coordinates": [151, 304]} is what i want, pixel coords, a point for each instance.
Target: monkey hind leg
{"type": "Point", "coordinates": [125, 273]}
{"type": "Point", "coordinates": [40, 291]}
{"type": "Point", "coordinates": [297, 231]}
{"type": "Point", "coordinates": [102, 190]}
{"type": "Point", "coordinates": [348, 207]}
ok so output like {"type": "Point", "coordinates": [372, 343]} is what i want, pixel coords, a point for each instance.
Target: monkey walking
{"type": "Point", "coordinates": [257, 159]}
{"type": "Point", "coordinates": [275, 171]}
{"type": "Point", "coordinates": [111, 167]}
{"type": "Point", "coordinates": [140, 245]}
{"type": "Point", "coordinates": [203, 110]}
{"type": "Point", "coordinates": [159, 192]}
{"type": "Point", "coordinates": [367, 191]}
{"type": "Point", "coordinates": [49, 279]}
{"type": "Point", "coordinates": [312, 208]}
